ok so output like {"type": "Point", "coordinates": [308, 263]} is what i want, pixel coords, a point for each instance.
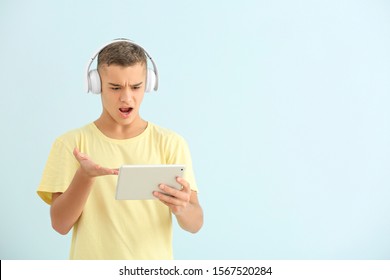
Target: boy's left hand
{"type": "Point", "coordinates": [176, 200]}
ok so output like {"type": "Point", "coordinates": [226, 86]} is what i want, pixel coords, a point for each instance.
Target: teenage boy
{"type": "Point", "coordinates": [79, 179]}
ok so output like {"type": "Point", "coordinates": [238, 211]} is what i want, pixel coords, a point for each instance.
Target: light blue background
{"type": "Point", "coordinates": [285, 106]}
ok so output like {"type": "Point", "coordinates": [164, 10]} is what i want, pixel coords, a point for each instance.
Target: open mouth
{"type": "Point", "coordinates": [125, 111]}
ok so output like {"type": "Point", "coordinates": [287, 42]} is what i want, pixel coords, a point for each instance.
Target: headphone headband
{"type": "Point", "coordinates": [93, 76]}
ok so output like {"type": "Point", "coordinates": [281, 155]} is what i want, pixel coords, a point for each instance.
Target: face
{"type": "Point", "coordinates": [123, 89]}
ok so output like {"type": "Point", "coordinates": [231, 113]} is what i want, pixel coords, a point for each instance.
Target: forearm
{"type": "Point", "coordinates": [67, 207]}
{"type": "Point", "coordinates": [192, 218]}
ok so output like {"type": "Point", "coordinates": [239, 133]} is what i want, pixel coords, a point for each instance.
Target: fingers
{"type": "Point", "coordinates": [108, 171]}
{"type": "Point", "coordinates": [79, 156]}
{"type": "Point", "coordinates": [183, 193]}
{"type": "Point", "coordinates": [176, 200]}
{"type": "Point", "coordinates": [90, 167]}
{"type": "Point", "coordinates": [184, 184]}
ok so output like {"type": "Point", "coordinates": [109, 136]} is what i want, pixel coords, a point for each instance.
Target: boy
{"type": "Point", "coordinates": [81, 192]}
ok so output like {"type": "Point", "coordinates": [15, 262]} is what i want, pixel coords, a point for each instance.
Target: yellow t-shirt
{"type": "Point", "coordinates": [110, 228]}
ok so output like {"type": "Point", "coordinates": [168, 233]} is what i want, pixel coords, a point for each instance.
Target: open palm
{"type": "Point", "coordinates": [90, 167]}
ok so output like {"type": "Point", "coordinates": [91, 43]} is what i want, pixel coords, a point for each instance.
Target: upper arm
{"type": "Point", "coordinates": [54, 196]}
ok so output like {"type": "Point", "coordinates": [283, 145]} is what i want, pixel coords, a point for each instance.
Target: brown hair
{"type": "Point", "coordinates": [121, 53]}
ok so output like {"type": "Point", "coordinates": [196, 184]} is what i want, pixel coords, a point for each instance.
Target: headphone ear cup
{"type": "Point", "coordinates": [150, 80]}
{"type": "Point", "coordinates": [94, 83]}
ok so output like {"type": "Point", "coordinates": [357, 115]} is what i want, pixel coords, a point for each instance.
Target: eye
{"type": "Point", "coordinates": [136, 87]}
{"type": "Point", "coordinates": [115, 88]}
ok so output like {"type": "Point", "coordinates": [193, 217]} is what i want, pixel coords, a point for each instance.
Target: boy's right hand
{"type": "Point", "coordinates": [90, 168]}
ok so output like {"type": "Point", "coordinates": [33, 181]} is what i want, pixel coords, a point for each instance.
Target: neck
{"type": "Point", "coordinates": [119, 131]}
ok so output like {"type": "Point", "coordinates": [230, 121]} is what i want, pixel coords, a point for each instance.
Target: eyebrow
{"type": "Point", "coordinates": [119, 85]}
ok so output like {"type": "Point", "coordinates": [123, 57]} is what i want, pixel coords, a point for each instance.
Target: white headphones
{"type": "Point", "coordinates": [93, 78]}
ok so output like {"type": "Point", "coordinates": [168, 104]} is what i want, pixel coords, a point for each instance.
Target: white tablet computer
{"type": "Point", "coordinates": [138, 182]}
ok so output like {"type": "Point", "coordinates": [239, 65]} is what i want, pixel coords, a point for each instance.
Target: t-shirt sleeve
{"type": "Point", "coordinates": [58, 172]}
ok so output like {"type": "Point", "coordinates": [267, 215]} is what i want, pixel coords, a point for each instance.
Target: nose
{"type": "Point", "coordinates": [126, 94]}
